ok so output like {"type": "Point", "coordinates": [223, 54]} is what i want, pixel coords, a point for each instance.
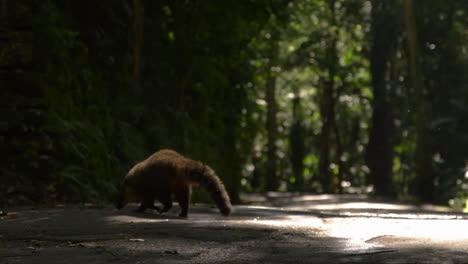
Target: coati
{"type": "Point", "coordinates": [167, 172]}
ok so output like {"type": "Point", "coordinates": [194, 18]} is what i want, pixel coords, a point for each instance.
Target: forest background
{"type": "Point", "coordinates": [321, 96]}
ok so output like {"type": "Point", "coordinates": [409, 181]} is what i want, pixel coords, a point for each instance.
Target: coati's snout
{"type": "Point", "coordinates": [126, 194]}
{"type": "Point", "coordinates": [120, 201]}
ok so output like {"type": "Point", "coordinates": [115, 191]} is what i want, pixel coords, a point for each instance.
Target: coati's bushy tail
{"type": "Point", "coordinates": [207, 178]}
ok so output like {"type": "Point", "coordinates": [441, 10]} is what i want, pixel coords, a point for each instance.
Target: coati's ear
{"type": "Point", "coordinates": [198, 168]}
{"type": "Point", "coordinates": [205, 168]}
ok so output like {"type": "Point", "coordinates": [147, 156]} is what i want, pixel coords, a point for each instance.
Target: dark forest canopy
{"type": "Point", "coordinates": [310, 95]}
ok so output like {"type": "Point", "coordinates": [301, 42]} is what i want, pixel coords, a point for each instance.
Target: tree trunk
{"type": "Point", "coordinates": [327, 110]}
{"type": "Point", "coordinates": [424, 183]}
{"type": "Point", "coordinates": [232, 162]}
{"type": "Point", "coordinates": [379, 155]}
{"type": "Point", "coordinates": [271, 183]}
{"type": "Point", "coordinates": [325, 176]}
{"type": "Point", "coordinates": [297, 146]}
{"type": "Point", "coordinates": [339, 152]}
{"type": "Point", "coordinates": [138, 27]}
{"type": "Point", "coordinates": [4, 11]}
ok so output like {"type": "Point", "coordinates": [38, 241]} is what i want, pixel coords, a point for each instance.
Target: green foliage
{"type": "Point", "coordinates": [93, 120]}
{"type": "Point", "coordinates": [91, 88]}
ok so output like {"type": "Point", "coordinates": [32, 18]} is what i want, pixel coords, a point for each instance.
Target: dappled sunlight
{"type": "Point", "coordinates": [133, 219]}
{"type": "Point", "coordinates": [360, 233]}
{"type": "Point", "coordinates": [426, 216]}
{"type": "Point", "coordinates": [354, 205]}
{"type": "Point", "coordinates": [437, 227]}
{"type": "Point", "coordinates": [391, 224]}
{"type": "Point", "coordinates": [344, 204]}
{"type": "Point", "coordinates": [367, 230]}
{"type": "Point", "coordinates": [291, 221]}
{"type": "Point", "coordinates": [325, 197]}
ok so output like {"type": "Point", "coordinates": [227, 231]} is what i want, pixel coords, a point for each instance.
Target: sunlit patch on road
{"type": "Point", "coordinates": [367, 228]}
{"type": "Point", "coordinates": [133, 219]}
{"type": "Point", "coordinates": [362, 226]}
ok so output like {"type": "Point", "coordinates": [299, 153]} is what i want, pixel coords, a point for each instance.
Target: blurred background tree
{"type": "Point", "coordinates": [341, 96]}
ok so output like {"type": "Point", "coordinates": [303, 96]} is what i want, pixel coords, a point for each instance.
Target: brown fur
{"type": "Point", "coordinates": [166, 172]}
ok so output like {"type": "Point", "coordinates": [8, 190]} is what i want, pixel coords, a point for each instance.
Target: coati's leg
{"type": "Point", "coordinates": [147, 202]}
{"type": "Point", "coordinates": [166, 201]}
{"type": "Point", "coordinates": [182, 195]}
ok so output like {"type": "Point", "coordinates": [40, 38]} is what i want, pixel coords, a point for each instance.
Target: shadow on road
{"type": "Point", "coordinates": [271, 228]}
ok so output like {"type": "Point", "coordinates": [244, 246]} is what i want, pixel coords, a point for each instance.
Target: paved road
{"type": "Point", "coordinates": [278, 228]}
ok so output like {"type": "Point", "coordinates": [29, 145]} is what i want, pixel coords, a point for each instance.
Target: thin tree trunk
{"type": "Point", "coordinates": [327, 110]}
{"type": "Point", "coordinates": [379, 156]}
{"type": "Point", "coordinates": [339, 152]}
{"type": "Point", "coordinates": [325, 176]}
{"type": "Point", "coordinates": [424, 183]}
{"type": "Point", "coordinates": [232, 162]}
{"type": "Point", "coordinates": [297, 146]}
{"type": "Point", "coordinates": [271, 183]}
{"type": "Point", "coordinates": [4, 11]}
{"type": "Point", "coordinates": [138, 27]}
